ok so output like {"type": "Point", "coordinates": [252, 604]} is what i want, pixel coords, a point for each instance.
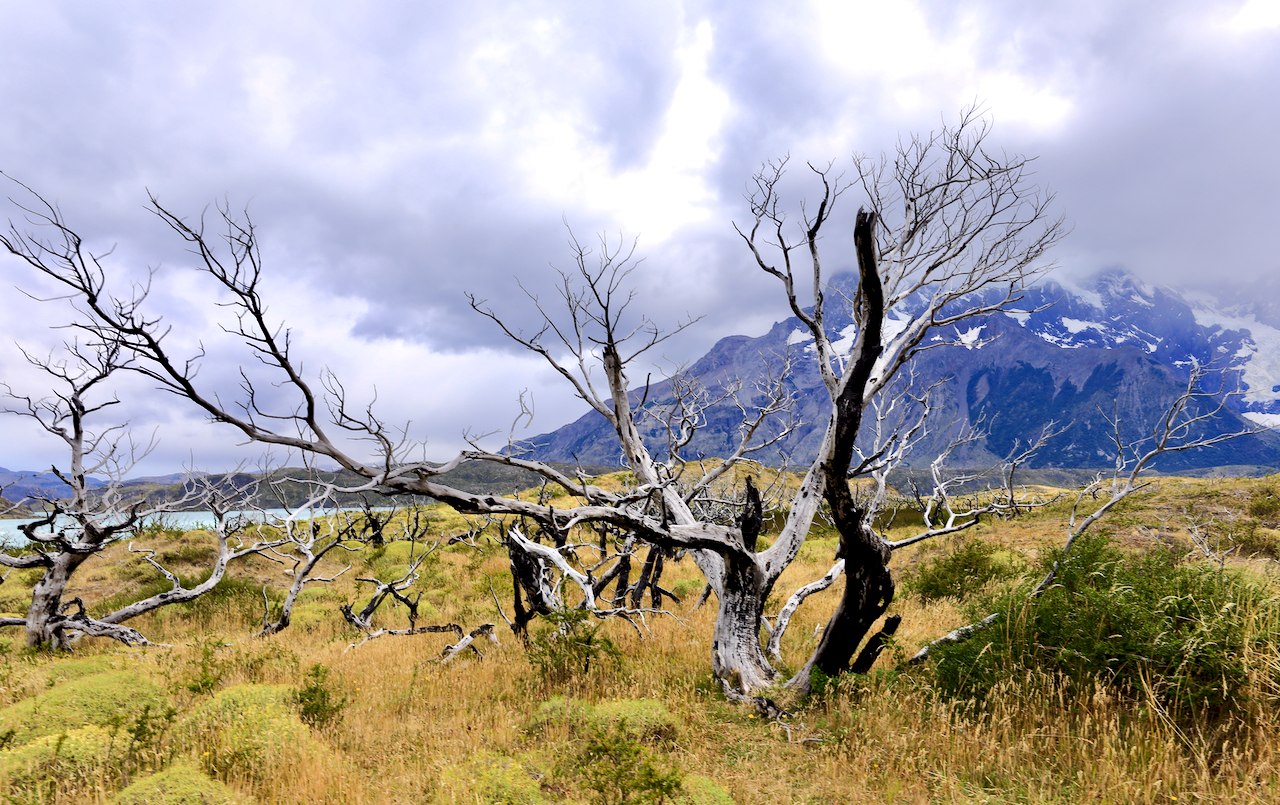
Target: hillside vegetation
{"type": "Point", "coordinates": [1150, 674]}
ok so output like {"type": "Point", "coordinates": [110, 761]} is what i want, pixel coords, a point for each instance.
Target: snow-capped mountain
{"type": "Point", "coordinates": [1077, 353]}
{"type": "Point", "coordinates": [1114, 309]}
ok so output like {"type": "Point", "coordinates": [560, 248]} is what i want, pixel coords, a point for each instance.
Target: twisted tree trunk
{"type": "Point", "coordinates": [44, 621]}
{"type": "Point", "coordinates": [868, 588]}
{"type": "Point", "coordinates": [737, 656]}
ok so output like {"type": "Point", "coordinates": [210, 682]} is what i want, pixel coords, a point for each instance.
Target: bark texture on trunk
{"type": "Point", "coordinates": [868, 591]}
{"type": "Point", "coordinates": [737, 656]}
{"type": "Point", "coordinates": [44, 624]}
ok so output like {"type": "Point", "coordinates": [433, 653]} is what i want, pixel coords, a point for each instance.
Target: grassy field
{"type": "Point", "coordinates": [301, 717]}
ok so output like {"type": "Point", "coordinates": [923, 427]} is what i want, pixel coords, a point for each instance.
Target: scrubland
{"type": "Point", "coordinates": [1177, 704]}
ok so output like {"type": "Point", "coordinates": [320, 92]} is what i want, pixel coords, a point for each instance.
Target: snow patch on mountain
{"type": "Point", "coordinates": [1258, 354]}
{"type": "Point", "coordinates": [1087, 295]}
{"type": "Point", "coordinates": [799, 336]}
{"type": "Point", "coordinates": [893, 327]}
{"type": "Point", "coordinates": [1265, 420]}
{"type": "Point", "coordinates": [844, 343]}
{"type": "Point", "coordinates": [1076, 325]}
{"type": "Point", "coordinates": [1114, 309]}
{"type": "Point", "coordinates": [969, 338]}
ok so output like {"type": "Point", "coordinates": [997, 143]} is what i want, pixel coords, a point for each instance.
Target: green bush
{"type": "Point", "coordinates": [687, 588]}
{"type": "Point", "coordinates": [1255, 540]}
{"type": "Point", "coordinates": [1133, 620]}
{"type": "Point", "coordinates": [1264, 504]}
{"type": "Point", "coordinates": [101, 700]}
{"type": "Point", "coordinates": [646, 720]}
{"type": "Point", "coordinates": [247, 731]}
{"type": "Point", "coordinates": [190, 551]}
{"type": "Point", "coordinates": [63, 669]}
{"type": "Point", "coordinates": [208, 669]}
{"type": "Point", "coordinates": [615, 765]}
{"type": "Point", "coordinates": [570, 646]}
{"type": "Point", "coordinates": [317, 704]}
{"type": "Point", "coordinates": [180, 784]}
{"type": "Point", "coordinates": [63, 762]}
{"type": "Point", "coordinates": [699, 790]}
{"type": "Point", "coordinates": [493, 780]}
{"type": "Point", "coordinates": [966, 568]}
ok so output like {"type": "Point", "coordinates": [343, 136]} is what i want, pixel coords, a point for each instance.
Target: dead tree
{"type": "Point", "coordinates": [90, 519]}
{"type": "Point", "coordinates": [373, 521]}
{"type": "Point", "coordinates": [398, 590]}
{"type": "Point", "coordinates": [309, 537]}
{"type": "Point", "coordinates": [314, 530]}
{"type": "Point", "coordinates": [944, 220]}
{"type": "Point", "coordinates": [947, 221]}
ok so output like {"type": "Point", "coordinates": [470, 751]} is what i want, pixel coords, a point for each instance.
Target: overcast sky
{"type": "Point", "coordinates": [398, 155]}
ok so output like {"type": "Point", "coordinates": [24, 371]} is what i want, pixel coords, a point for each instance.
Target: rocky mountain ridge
{"type": "Point", "coordinates": [1074, 353]}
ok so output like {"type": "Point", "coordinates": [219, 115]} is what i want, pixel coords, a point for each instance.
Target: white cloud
{"type": "Point", "coordinates": [564, 163]}
{"type": "Point", "coordinates": [1256, 15]}
{"type": "Point", "coordinates": [894, 47]}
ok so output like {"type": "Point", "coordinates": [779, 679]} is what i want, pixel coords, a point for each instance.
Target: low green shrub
{"type": "Point", "coordinates": [687, 588]}
{"type": "Point", "coordinates": [570, 646]}
{"type": "Point", "coordinates": [646, 720]}
{"type": "Point", "coordinates": [263, 662]}
{"type": "Point", "coordinates": [246, 731]}
{"type": "Point", "coordinates": [64, 669]}
{"type": "Point", "coordinates": [491, 778]}
{"type": "Point", "coordinates": [317, 704]}
{"type": "Point", "coordinates": [959, 572]}
{"type": "Point", "coordinates": [1264, 504]}
{"type": "Point", "coordinates": [206, 670]}
{"type": "Point", "coordinates": [1256, 540]}
{"type": "Point", "coordinates": [15, 600]}
{"type": "Point", "coordinates": [103, 699]}
{"type": "Point", "coordinates": [60, 763]}
{"type": "Point", "coordinates": [1137, 621]}
{"type": "Point", "coordinates": [189, 551]}
{"type": "Point", "coordinates": [699, 790]}
{"type": "Point", "coordinates": [180, 784]}
{"type": "Point", "coordinates": [620, 769]}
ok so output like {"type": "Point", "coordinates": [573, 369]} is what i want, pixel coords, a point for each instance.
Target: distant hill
{"type": "Point", "coordinates": [19, 484]}
{"type": "Point", "coordinates": [478, 476]}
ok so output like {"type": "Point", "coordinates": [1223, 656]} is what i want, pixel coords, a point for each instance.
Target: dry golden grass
{"type": "Point", "coordinates": [416, 731]}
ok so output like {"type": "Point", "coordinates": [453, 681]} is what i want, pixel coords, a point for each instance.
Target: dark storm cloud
{"type": "Point", "coordinates": [397, 156]}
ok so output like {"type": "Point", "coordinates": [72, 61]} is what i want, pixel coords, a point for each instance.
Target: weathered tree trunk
{"type": "Point", "coordinates": [46, 602]}
{"type": "Point", "coordinates": [652, 562]}
{"type": "Point", "coordinates": [624, 581]}
{"type": "Point", "coordinates": [655, 592]}
{"type": "Point", "coordinates": [528, 574]}
{"type": "Point", "coordinates": [300, 575]}
{"type": "Point", "coordinates": [737, 656]}
{"type": "Point", "coordinates": [270, 627]}
{"type": "Point", "coordinates": [868, 591]}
